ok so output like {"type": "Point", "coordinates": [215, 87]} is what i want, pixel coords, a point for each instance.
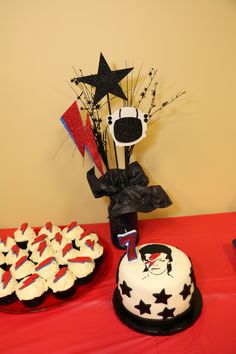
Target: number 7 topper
{"type": "Point", "coordinates": [128, 240]}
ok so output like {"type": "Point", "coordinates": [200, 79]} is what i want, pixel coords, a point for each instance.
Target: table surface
{"type": "Point", "coordinates": [88, 324]}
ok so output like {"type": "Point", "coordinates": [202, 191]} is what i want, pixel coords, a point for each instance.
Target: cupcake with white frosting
{"type": "Point", "coordinates": [65, 253]}
{"type": "Point", "coordinates": [33, 244]}
{"type": "Point", "coordinates": [23, 234]}
{"type": "Point", "coordinates": [15, 253]}
{"type": "Point", "coordinates": [6, 242]}
{"type": "Point", "coordinates": [50, 230]}
{"type": "Point", "coordinates": [62, 283]}
{"type": "Point", "coordinates": [81, 267]}
{"type": "Point", "coordinates": [7, 288]}
{"type": "Point", "coordinates": [72, 231]}
{"type": "Point", "coordinates": [91, 249]}
{"type": "Point", "coordinates": [58, 242]}
{"type": "Point", "coordinates": [31, 290]}
{"type": "Point", "coordinates": [47, 268]}
{"type": "Point", "coordinates": [43, 251]}
{"type": "Point", "coordinates": [79, 241]}
{"type": "Point", "coordinates": [22, 268]}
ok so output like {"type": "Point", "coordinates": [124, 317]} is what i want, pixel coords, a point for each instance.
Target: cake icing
{"type": "Point", "coordinates": [22, 268]}
{"type": "Point", "coordinates": [158, 285]}
{"type": "Point", "coordinates": [59, 242]}
{"type": "Point", "coordinates": [81, 266]}
{"type": "Point", "coordinates": [47, 268]}
{"type": "Point", "coordinates": [43, 251]}
{"type": "Point", "coordinates": [24, 233]}
{"type": "Point", "coordinates": [14, 254]}
{"type": "Point", "coordinates": [31, 287]}
{"type": "Point", "coordinates": [63, 280]}
{"type": "Point", "coordinates": [7, 284]}
{"type": "Point", "coordinates": [33, 244]}
{"type": "Point", "coordinates": [6, 242]}
{"type": "Point", "coordinates": [91, 249]}
{"type": "Point", "coordinates": [72, 231]}
{"type": "Point", "coordinates": [50, 230]}
{"type": "Point", "coordinates": [80, 240]}
{"type": "Point", "coordinates": [65, 253]}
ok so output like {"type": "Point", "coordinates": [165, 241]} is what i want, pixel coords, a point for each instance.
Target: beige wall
{"type": "Point", "coordinates": [190, 151]}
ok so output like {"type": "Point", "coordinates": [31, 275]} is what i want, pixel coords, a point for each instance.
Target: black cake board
{"type": "Point", "coordinates": [159, 328]}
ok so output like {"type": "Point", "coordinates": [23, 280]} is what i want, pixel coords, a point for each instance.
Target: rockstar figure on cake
{"type": "Point", "coordinates": [157, 259]}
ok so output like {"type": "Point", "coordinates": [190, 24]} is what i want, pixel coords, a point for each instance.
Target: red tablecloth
{"type": "Point", "coordinates": [88, 324]}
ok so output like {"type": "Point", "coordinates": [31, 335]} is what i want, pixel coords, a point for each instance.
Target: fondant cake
{"type": "Point", "coordinates": [158, 286]}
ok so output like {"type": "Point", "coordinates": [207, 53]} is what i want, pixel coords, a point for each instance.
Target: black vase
{"type": "Point", "coordinates": [121, 224]}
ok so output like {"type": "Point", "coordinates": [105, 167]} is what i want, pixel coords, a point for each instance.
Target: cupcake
{"type": "Point", "coordinates": [72, 231]}
{"type": "Point", "coordinates": [65, 253]}
{"type": "Point", "coordinates": [50, 230]}
{"type": "Point", "coordinates": [43, 251]}
{"type": "Point", "coordinates": [6, 242]}
{"type": "Point", "coordinates": [32, 290]}
{"type": "Point", "coordinates": [79, 241]}
{"type": "Point", "coordinates": [33, 244]}
{"type": "Point", "coordinates": [3, 261]}
{"type": "Point", "coordinates": [91, 249]}
{"type": "Point", "coordinates": [14, 254]}
{"type": "Point", "coordinates": [62, 283]}
{"type": "Point", "coordinates": [47, 268]}
{"type": "Point", "coordinates": [22, 268]}
{"type": "Point", "coordinates": [58, 242]}
{"type": "Point", "coordinates": [23, 234]}
{"type": "Point", "coordinates": [81, 267]}
{"type": "Point", "coordinates": [7, 288]}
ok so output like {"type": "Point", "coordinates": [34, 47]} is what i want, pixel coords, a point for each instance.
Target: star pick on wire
{"type": "Point", "coordinates": [106, 81]}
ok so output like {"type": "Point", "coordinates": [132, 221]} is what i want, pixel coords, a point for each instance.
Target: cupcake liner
{"type": "Point", "coordinates": [63, 295]}
{"type": "Point", "coordinates": [37, 301]}
{"type": "Point", "coordinates": [22, 244]}
{"type": "Point", "coordinates": [8, 300]}
{"type": "Point", "coordinates": [5, 266]}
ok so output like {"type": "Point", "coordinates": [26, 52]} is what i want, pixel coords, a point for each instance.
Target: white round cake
{"type": "Point", "coordinates": [158, 284]}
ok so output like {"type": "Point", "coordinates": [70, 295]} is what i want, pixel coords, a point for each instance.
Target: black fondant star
{"type": "Point", "coordinates": [167, 313]}
{"type": "Point", "coordinates": [143, 308]}
{"type": "Point", "coordinates": [106, 81]}
{"type": "Point", "coordinates": [125, 289]}
{"type": "Point", "coordinates": [186, 291]}
{"type": "Point", "coordinates": [161, 297]}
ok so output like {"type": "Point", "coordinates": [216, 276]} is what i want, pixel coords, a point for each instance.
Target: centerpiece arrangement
{"type": "Point", "coordinates": [113, 101]}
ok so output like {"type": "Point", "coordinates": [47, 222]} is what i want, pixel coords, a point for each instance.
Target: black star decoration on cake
{"type": "Point", "coordinates": [143, 308]}
{"type": "Point", "coordinates": [106, 81]}
{"type": "Point", "coordinates": [166, 313]}
{"type": "Point", "coordinates": [161, 297]}
{"type": "Point", "coordinates": [125, 289]}
{"type": "Point", "coordinates": [186, 291]}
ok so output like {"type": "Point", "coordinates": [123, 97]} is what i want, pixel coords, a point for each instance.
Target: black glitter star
{"type": "Point", "coordinates": [143, 308]}
{"type": "Point", "coordinates": [186, 291]}
{"type": "Point", "coordinates": [161, 297]}
{"type": "Point", "coordinates": [125, 289]}
{"type": "Point", "coordinates": [167, 313]}
{"type": "Point", "coordinates": [106, 81]}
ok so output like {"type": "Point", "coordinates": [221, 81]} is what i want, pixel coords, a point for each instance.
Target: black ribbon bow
{"type": "Point", "coordinates": [128, 190]}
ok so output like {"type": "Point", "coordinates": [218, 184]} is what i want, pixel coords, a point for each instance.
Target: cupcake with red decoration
{"type": "Point", "coordinates": [6, 242]}
{"type": "Point", "coordinates": [65, 253]}
{"type": "Point", "coordinates": [15, 253]}
{"type": "Point", "coordinates": [91, 249]}
{"type": "Point", "coordinates": [22, 268]}
{"type": "Point", "coordinates": [7, 288]}
{"type": "Point", "coordinates": [50, 230]}
{"type": "Point", "coordinates": [58, 242]}
{"type": "Point", "coordinates": [42, 252]}
{"type": "Point", "coordinates": [82, 267]}
{"type": "Point", "coordinates": [33, 244]}
{"type": "Point", "coordinates": [72, 231]}
{"type": "Point", "coordinates": [47, 268]}
{"type": "Point", "coordinates": [23, 234]}
{"type": "Point", "coordinates": [62, 283]}
{"type": "Point", "coordinates": [32, 290]}
{"type": "Point", "coordinates": [79, 241]}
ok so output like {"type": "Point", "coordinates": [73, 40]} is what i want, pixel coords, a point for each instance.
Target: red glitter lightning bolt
{"type": "Point", "coordinates": [82, 136]}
